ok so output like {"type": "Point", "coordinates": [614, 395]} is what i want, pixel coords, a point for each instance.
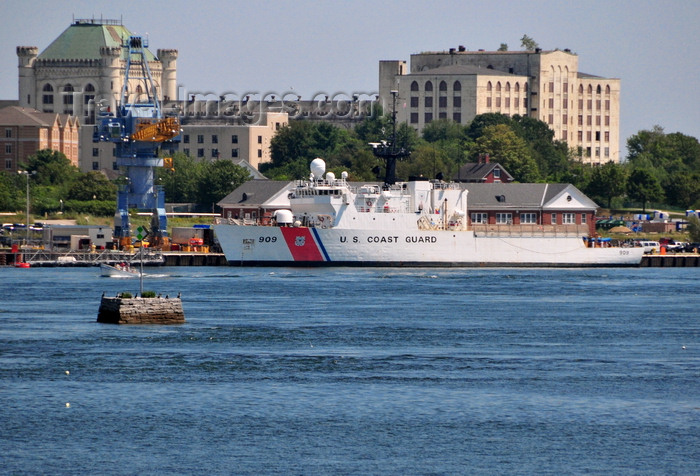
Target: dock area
{"type": "Point", "coordinates": [41, 258]}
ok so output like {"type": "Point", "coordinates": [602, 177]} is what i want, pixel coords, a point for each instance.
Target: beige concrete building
{"type": "Point", "coordinates": [581, 109]}
{"type": "Point", "coordinates": [26, 131]}
{"type": "Point", "coordinates": [213, 139]}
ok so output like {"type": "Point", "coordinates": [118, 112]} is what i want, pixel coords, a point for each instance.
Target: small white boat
{"type": "Point", "coordinates": [119, 271]}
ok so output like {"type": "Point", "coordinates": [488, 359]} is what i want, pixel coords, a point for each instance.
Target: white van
{"type": "Point", "coordinates": [650, 247]}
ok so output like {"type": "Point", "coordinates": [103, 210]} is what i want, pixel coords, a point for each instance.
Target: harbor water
{"type": "Point", "coordinates": [354, 371]}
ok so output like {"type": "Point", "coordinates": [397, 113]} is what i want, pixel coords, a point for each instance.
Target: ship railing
{"type": "Point", "coordinates": [530, 230]}
{"type": "Point", "coordinates": [91, 258]}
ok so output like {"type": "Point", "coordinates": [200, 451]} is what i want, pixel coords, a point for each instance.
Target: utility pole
{"type": "Point", "coordinates": [26, 173]}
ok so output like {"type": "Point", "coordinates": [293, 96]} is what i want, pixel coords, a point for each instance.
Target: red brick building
{"type": "Point", "coordinates": [24, 132]}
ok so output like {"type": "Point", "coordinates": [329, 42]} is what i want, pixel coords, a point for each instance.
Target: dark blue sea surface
{"type": "Point", "coordinates": [354, 371]}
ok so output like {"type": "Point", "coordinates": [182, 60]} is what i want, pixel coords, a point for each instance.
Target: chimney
{"type": "Point", "coordinates": [486, 159]}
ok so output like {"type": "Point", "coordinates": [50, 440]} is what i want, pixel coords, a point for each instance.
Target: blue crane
{"type": "Point", "coordinates": [138, 130]}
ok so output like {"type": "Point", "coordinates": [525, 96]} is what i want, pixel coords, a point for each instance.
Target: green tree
{"type": "Point", "coordinates": [503, 47]}
{"type": "Point", "coordinates": [528, 43]}
{"type": "Point", "coordinates": [694, 229]}
{"type": "Point", "coordinates": [219, 178]}
{"type": "Point", "coordinates": [644, 187]}
{"type": "Point", "coordinates": [51, 167]}
{"type": "Point", "coordinates": [181, 183]}
{"type": "Point", "coordinates": [683, 190]}
{"type": "Point", "coordinates": [607, 182]}
{"type": "Point", "coordinates": [509, 150]}
{"type": "Point", "coordinates": [427, 161]}
{"type": "Point", "coordinates": [92, 186]}
{"type": "Point", "coordinates": [292, 142]}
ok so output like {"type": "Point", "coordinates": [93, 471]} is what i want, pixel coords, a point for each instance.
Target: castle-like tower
{"type": "Point", "coordinates": [581, 109]}
{"type": "Point", "coordinates": [83, 69]}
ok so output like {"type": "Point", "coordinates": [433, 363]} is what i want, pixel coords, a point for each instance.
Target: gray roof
{"type": "Point", "coordinates": [461, 70]}
{"type": "Point", "coordinates": [521, 195]}
{"type": "Point", "coordinates": [254, 193]}
{"type": "Point", "coordinates": [478, 171]}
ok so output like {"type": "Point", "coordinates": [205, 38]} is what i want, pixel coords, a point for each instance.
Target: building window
{"type": "Point", "coordinates": [95, 166]}
{"type": "Point", "coordinates": [504, 218]}
{"type": "Point", "coordinates": [215, 153]}
{"type": "Point", "coordinates": [259, 153]}
{"type": "Point", "coordinates": [234, 139]}
{"type": "Point", "coordinates": [414, 101]}
{"type": "Point", "coordinates": [8, 148]}
{"type": "Point", "coordinates": [234, 153]}
{"type": "Point", "coordinates": [214, 139]}
{"type": "Point", "coordinates": [47, 98]}
{"type": "Point", "coordinates": [551, 103]}
{"type": "Point", "coordinates": [442, 101]}
{"type": "Point", "coordinates": [498, 102]}
{"type": "Point", "coordinates": [480, 218]}
{"type": "Point", "coordinates": [457, 117]}
{"type": "Point", "coordinates": [442, 115]}
{"type": "Point", "coordinates": [607, 120]}
{"type": "Point", "coordinates": [89, 94]}
{"type": "Point", "coordinates": [554, 218]}
{"type": "Point", "coordinates": [115, 166]}
{"type": "Point", "coordinates": [186, 138]}
{"type": "Point", "coordinates": [507, 102]}
{"type": "Point", "coordinates": [496, 173]}
{"type": "Point", "coordinates": [457, 101]}
{"type": "Point", "coordinates": [414, 86]}
{"type": "Point", "coordinates": [8, 163]}
{"type": "Point", "coordinates": [583, 219]}
{"type": "Point", "coordinates": [428, 117]}
{"type": "Point", "coordinates": [186, 151]}
{"type": "Point", "coordinates": [200, 139]}
{"type": "Point", "coordinates": [443, 86]}
{"type": "Point", "coordinates": [200, 152]}
{"type": "Point", "coordinates": [528, 218]}
{"type": "Point", "coordinates": [429, 101]}
{"type": "Point", "coordinates": [568, 218]}
{"type": "Point", "coordinates": [428, 86]}
{"type": "Point", "coordinates": [414, 118]}
{"type": "Point", "coordinates": [551, 86]}
{"type": "Point", "coordinates": [259, 139]}
{"type": "Point", "coordinates": [95, 152]}
{"type": "Point", "coordinates": [457, 86]}
{"type": "Point", "coordinates": [8, 133]}
{"type": "Point", "coordinates": [488, 102]}
{"type": "Point", "coordinates": [68, 96]}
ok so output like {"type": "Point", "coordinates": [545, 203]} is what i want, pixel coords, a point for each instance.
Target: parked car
{"type": "Point", "coordinates": [650, 247]}
{"type": "Point", "coordinates": [692, 247]}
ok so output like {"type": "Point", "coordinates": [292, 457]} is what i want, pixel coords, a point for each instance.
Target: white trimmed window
{"type": "Point", "coordinates": [554, 218]}
{"type": "Point", "coordinates": [504, 218]}
{"type": "Point", "coordinates": [583, 218]}
{"type": "Point", "coordinates": [528, 218]}
{"type": "Point", "coordinates": [480, 218]}
{"type": "Point", "coordinates": [568, 218]}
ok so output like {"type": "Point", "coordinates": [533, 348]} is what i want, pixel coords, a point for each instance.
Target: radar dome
{"type": "Point", "coordinates": [330, 176]}
{"type": "Point", "coordinates": [344, 175]}
{"type": "Point", "coordinates": [284, 217]}
{"type": "Point", "coordinates": [318, 167]}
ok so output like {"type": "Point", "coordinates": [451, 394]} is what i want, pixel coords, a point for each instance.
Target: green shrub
{"type": "Point", "coordinates": [148, 294]}
{"type": "Point", "coordinates": [125, 295]}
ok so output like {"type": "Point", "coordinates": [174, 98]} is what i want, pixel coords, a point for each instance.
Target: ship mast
{"type": "Point", "coordinates": [387, 150]}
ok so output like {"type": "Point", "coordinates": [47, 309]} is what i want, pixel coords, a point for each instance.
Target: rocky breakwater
{"type": "Point", "coordinates": [140, 310]}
